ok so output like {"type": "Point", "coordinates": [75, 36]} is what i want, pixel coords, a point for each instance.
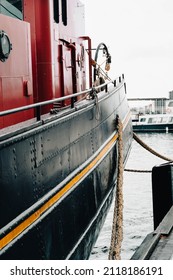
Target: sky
{"type": "Point", "coordinates": [139, 35]}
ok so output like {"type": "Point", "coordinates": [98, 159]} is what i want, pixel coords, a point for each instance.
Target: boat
{"type": "Point", "coordinates": [58, 131]}
{"type": "Point", "coordinates": [153, 123]}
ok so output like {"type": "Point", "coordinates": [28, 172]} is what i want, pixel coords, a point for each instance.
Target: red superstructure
{"type": "Point", "coordinates": [46, 58]}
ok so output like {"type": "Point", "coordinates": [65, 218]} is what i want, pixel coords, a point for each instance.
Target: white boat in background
{"type": "Point", "coordinates": [153, 123]}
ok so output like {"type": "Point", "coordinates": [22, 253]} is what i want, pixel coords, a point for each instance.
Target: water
{"type": "Point", "coordinates": [138, 216]}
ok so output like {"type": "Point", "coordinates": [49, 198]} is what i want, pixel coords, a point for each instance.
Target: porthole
{"type": "Point", "coordinates": [5, 46]}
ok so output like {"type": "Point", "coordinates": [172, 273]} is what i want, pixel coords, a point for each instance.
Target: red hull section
{"type": "Point", "coordinates": [47, 59]}
{"type": "Point", "coordinates": [16, 73]}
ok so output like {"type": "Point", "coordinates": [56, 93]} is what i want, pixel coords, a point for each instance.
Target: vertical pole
{"type": "Point", "coordinates": [162, 191]}
{"type": "Point", "coordinates": [38, 113]}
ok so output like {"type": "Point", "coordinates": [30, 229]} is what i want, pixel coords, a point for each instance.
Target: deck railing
{"type": "Point", "coordinates": [37, 106]}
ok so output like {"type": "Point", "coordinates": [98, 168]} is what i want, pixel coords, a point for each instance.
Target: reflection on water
{"type": "Point", "coordinates": [138, 220]}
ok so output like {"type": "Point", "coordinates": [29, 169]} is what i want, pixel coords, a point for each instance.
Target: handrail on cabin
{"type": "Point", "coordinates": [71, 96]}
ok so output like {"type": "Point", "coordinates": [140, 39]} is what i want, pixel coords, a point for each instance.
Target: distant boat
{"type": "Point", "coordinates": [153, 123]}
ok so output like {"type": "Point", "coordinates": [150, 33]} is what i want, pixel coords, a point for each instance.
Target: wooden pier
{"type": "Point", "coordinates": [158, 245]}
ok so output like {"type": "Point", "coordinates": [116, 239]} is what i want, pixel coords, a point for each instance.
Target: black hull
{"type": "Point", "coordinates": [58, 178]}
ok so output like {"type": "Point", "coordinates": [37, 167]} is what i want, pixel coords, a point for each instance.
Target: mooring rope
{"type": "Point", "coordinates": [117, 226]}
{"type": "Point", "coordinates": [149, 149]}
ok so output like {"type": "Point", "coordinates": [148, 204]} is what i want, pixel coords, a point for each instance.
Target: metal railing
{"type": "Point", "coordinates": [38, 105]}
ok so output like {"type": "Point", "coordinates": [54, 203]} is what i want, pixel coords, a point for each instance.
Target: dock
{"type": "Point", "coordinates": [158, 245]}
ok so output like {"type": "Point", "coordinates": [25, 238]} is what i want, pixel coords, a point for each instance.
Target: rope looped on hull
{"type": "Point", "coordinates": [117, 227]}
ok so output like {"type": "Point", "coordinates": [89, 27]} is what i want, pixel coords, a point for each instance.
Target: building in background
{"type": "Point", "coordinates": [161, 105]}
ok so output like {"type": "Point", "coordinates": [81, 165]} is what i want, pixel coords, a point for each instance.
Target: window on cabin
{"type": "Point", "coordinates": [164, 119]}
{"type": "Point", "coordinates": [12, 8]}
{"type": "Point", "coordinates": [16, 3]}
{"type": "Point", "coordinates": [56, 10]}
{"type": "Point", "coordinates": [155, 120]}
{"type": "Point", "coordinates": [170, 104]}
{"type": "Point", "coordinates": [64, 11]}
{"type": "Point", "coordinates": [142, 119]}
{"type": "Point", "coordinates": [152, 120]}
{"type": "Point", "coordinates": [170, 119]}
{"type": "Point", "coordinates": [159, 120]}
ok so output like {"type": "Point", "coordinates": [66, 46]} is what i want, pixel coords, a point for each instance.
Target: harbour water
{"type": "Point", "coordinates": [137, 189]}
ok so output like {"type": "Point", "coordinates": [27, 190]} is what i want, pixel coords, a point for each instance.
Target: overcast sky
{"type": "Point", "coordinates": [139, 34]}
